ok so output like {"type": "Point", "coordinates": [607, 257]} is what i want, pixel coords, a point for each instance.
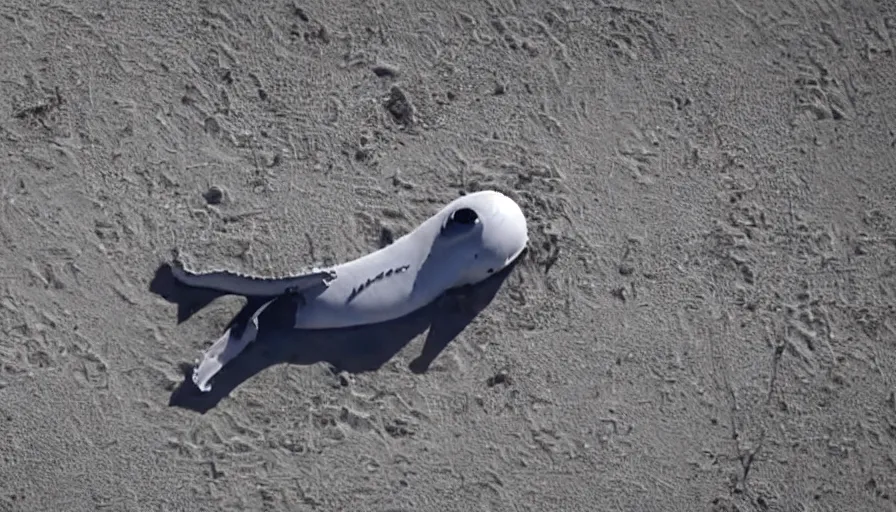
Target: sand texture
{"type": "Point", "coordinates": [705, 318]}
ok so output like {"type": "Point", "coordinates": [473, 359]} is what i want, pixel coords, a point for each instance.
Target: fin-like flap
{"type": "Point", "coordinates": [228, 346]}
{"type": "Point", "coordinates": [250, 286]}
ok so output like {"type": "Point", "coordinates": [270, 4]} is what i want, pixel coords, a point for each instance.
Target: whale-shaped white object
{"type": "Point", "coordinates": [467, 241]}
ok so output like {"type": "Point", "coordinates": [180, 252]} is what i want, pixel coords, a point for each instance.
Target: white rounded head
{"type": "Point", "coordinates": [483, 232]}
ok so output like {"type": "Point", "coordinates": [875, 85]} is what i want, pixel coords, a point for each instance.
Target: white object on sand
{"type": "Point", "coordinates": [467, 241]}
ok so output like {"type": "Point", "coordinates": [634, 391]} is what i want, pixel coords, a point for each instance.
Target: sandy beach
{"type": "Point", "coordinates": [705, 319]}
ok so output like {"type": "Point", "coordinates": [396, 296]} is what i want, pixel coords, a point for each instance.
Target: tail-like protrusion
{"type": "Point", "coordinates": [250, 286]}
{"type": "Point", "coordinates": [234, 340]}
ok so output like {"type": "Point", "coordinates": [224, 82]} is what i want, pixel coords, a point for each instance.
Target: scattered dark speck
{"type": "Point", "coordinates": [400, 106]}
{"type": "Point", "coordinates": [362, 154]}
{"type": "Point", "coordinates": [321, 34]}
{"type": "Point", "coordinates": [214, 195]}
{"type": "Point", "coordinates": [398, 428]}
{"type": "Point", "coordinates": [298, 11]}
{"type": "Point", "coordinates": [212, 126]}
{"type": "Point", "coordinates": [619, 293]}
{"type": "Point", "coordinates": [500, 89]}
{"type": "Point", "coordinates": [214, 472]}
{"type": "Point", "coordinates": [499, 378]}
{"type": "Point", "coordinates": [385, 70]}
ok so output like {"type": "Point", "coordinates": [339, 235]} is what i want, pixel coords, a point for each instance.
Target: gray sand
{"type": "Point", "coordinates": [706, 319]}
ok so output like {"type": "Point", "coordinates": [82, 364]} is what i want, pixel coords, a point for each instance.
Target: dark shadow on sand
{"type": "Point", "coordinates": [354, 350]}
